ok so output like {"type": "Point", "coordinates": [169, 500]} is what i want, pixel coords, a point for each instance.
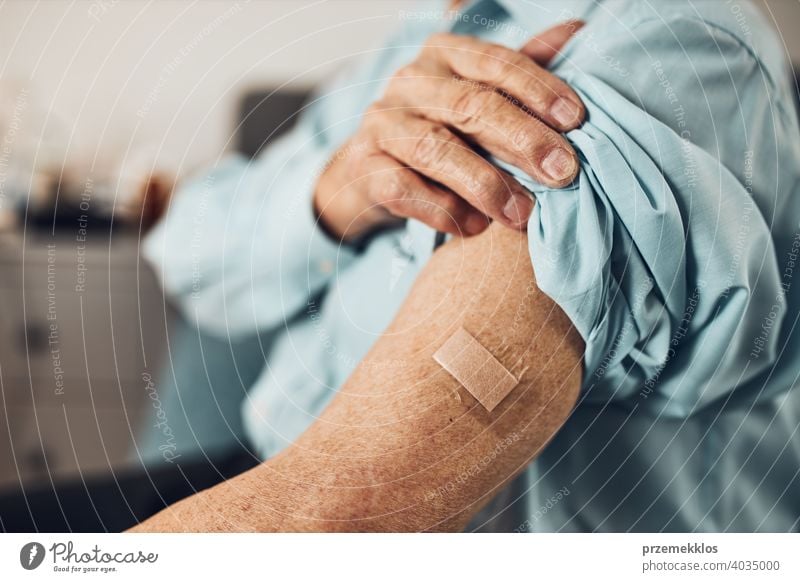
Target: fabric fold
{"type": "Point", "coordinates": [638, 253]}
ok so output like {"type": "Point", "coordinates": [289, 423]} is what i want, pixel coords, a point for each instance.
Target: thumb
{"type": "Point", "coordinates": [543, 47]}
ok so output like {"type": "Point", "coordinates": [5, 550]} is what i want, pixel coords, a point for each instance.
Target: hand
{"type": "Point", "coordinates": [417, 153]}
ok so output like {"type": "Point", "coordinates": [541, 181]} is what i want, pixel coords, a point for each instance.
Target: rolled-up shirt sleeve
{"type": "Point", "coordinates": [240, 249]}
{"type": "Point", "coordinates": [662, 252]}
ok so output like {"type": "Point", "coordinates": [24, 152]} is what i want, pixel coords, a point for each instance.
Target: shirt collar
{"type": "Point", "coordinates": [532, 16]}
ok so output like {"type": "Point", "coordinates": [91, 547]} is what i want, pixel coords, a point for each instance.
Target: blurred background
{"type": "Point", "coordinates": [101, 101]}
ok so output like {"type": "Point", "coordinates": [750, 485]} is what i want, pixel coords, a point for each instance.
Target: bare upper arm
{"type": "Point", "coordinates": [403, 432]}
{"type": "Point", "coordinates": [403, 446]}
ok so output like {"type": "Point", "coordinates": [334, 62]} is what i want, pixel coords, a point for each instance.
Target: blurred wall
{"type": "Point", "coordinates": [114, 76]}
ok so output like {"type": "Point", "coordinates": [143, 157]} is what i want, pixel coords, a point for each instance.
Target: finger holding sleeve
{"type": "Point", "coordinates": [434, 151]}
{"type": "Point", "coordinates": [543, 93]}
{"type": "Point", "coordinates": [401, 191]}
{"type": "Point", "coordinates": [543, 47]}
{"type": "Point", "coordinates": [493, 121]}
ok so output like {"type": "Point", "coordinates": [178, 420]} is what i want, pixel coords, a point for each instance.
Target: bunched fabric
{"type": "Point", "coordinates": [673, 251]}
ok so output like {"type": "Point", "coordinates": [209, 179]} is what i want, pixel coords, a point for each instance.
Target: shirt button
{"type": "Point", "coordinates": [325, 266]}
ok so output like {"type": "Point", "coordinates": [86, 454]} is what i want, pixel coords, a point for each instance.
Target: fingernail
{"type": "Point", "coordinates": [518, 209]}
{"type": "Point", "coordinates": [566, 112]}
{"type": "Point", "coordinates": [559, 165]}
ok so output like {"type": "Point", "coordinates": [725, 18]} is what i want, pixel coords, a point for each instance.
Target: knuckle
{"type": "Point", "coordinates": [487, 185]}
{"type": "Point", "coordinates": [393, 193]}
{"type": "Point", "coordinates": [430, 50]}
{"type": "Point", "coordinates": [538, 94]}
{"type": "Point", "coordinates": [496, 62]}
{"type": "Point", "coordinates": [351, 155]}
{"type": "Point", "coordinates": [449, 207]}
{"type": "Point", "coordinates": [395, 208]}
{"type": "Point", "coordinates": [524, 137]}
{"type": "Point", "coordinates": [394, 86]}
{"type": "Point", "coordinates": [363, 156]}
{"type": "Point", "coordinates": [375, 117]}
{"type": "Point", "coordinates": [440, 221]}
{"type": "Point", "coordinates": [408, 71]}
{"type": "Point", "coordinates": [433, 145]}
{"type": "Point", "coordinates": [549, 139]}
{"type": "Point", "coordinates": [399, 82]}
{"type": "Point", "coordinates": [467, 106]}
{"type": "Point", "coordinates": [375, 109]}
{"type": "Point", "coordinates": [438, 39]}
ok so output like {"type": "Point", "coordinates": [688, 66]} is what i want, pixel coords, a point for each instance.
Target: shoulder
{"type": "Point", "coordinates": [705, 60]}
{"type": "Point", "coordinates": [625, 37]}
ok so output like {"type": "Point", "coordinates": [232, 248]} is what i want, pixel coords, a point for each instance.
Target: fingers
{"type": "Point", "coordinates": [539, 90]}
{"type": "Point", "coordinates": [405, 194]}
{"type": "Point", "coordinates": [434, 151]}
{"type": "Point", "coordinates": [543, 47]}
{"type": "Point", "coordinates": [460, 96]}
{"type": "Point", "coordinates": [496, 123]}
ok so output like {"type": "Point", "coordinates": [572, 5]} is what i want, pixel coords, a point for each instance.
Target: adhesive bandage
{"type": "Point", "coordinates": [475, 368]}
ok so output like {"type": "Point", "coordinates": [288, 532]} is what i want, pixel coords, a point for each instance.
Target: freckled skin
{"type": "Point", "coordinates": [403, 447]}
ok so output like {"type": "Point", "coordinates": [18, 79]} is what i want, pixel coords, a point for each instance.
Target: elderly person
{"type": "Point", "coordinates": [618, 197]}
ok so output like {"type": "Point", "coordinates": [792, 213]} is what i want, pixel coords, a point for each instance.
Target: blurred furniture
{"type": "Point", "coordinates": [85, 379]}
{"type": "Point", "coordinates": [81, 325]}
{"type": "Point", "coordinates": [265, 115]}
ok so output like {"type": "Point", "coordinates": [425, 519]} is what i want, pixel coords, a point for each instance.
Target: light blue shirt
{"type": "Point", "coordinates": [673, 252]}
